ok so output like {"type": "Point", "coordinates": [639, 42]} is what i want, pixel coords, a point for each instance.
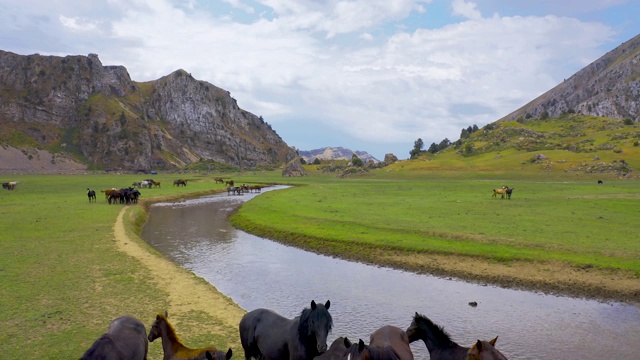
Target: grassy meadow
{"type": "Point", "coordinates": [62, 278]}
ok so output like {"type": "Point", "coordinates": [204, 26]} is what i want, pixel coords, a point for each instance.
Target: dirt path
{"type": "Point", "coordinates": [187, 292]}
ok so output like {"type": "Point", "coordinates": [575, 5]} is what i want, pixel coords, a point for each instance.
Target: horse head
{"type": "Point", "coordinates": [315, 326]}
{"type": "Point", "coordinates": [485, 350]}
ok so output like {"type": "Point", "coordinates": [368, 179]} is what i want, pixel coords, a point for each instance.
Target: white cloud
{"type": "Point", "coordinates": [331, 63]}
{"type": "Point", "coordinates": [466, 9]}
{"type": "Point", "coordinates": [76, 23]}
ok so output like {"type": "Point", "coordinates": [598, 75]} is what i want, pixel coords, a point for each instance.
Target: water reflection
{"type": "Point", "coordinates": [256, 272]}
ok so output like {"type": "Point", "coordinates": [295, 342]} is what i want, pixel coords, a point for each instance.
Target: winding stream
{"type": "Point", "coordinates": [259, 273]}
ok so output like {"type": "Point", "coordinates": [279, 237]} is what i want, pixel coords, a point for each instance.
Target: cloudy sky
{"type": "Point", "coordinates": [369, 75]}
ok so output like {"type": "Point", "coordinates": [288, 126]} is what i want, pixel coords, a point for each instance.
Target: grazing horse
{"type": "Point", "coordinates": [501, 191]}
{"type": "Point", "coordinates": [600, 182]}
{"type": "Point", "coordinates": [336, 350]}
{"type": "Point", "coordinates": [440, 345]}
{"type": "Point", "coordinates": [265, 334]}
{"type": "Point", "coordinates": [180, 182]}
{"type": "Point", "coordinates": [10, 185]}
{"type": "Point", "coordinates": [92, 195]}
{"type": "Point", "coordinates": [229, 183]}
{"type": "Point", "coordinates": [173, 347]}
{"type": "Point", "coordinates": [126, 339]}
{"type": "Point", "coordinates": [218, 180]}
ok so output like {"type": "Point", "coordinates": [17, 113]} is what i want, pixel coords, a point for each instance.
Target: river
{"type": "Point", "coordinates": [259, 273]}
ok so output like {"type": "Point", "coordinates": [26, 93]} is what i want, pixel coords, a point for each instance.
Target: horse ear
{"type": "Point", "coordinates": [327, 304]}
{"type": "Point", "coordinates": [347, 342]}
{"type": "Point", "coordinates": [493, 341]}
{"type": "Point", "coordinates": [360, 345]}
{"type": "Point", "coordinates": [313, 305]}
{"type": "Point", "coordinates": [229, 354]}
{"type": "Point", "coordinates": [166, 313]}
{"type": "Point", "coordinates": [479, 345]}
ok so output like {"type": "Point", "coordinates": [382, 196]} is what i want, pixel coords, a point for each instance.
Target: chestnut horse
{"type": "Point", "coordinates": [173, 347]}
{"type": "Point", "coordinates": [125, 340]}
{"type": "Point", "coordinates": [441, 347]}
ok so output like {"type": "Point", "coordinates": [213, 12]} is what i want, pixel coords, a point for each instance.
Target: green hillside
{"type": "Point", "coordinates": [571, 144]}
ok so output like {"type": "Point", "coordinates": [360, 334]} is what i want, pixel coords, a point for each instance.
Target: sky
{"type": "Point", "coordinates": [367, 75]}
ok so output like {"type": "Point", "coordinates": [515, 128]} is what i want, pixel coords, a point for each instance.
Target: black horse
{"type": "Point", "coordinates": [92, 195]}
{"type": "Point", "coordinates": [441, 347]}
{"type": "Point", "coordinates": [126, 339]}
{"type": "Point", "coordinates": [265, 334]}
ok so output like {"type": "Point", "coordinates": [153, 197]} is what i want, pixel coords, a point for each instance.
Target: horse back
{"type": "Point", "coordinates": [393, 337]}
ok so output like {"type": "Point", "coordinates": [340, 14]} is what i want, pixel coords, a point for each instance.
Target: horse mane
{"type": "Point", "coordinates": [435, 332]}
{"type": "Point", "coordinates": [309, 316]}
{"type": "Point", "coordinates": [171, 331]}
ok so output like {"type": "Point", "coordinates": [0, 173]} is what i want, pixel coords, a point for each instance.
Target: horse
{"type": "Point", "coordinates": [229, 183]}
{"type": "Point", "coordinates": [257, 188]}
{"type": "Point", "coordinates": [91, 194]}
{"type": "Point", "coordinates": [361, 351]}
{"type": "Point", "coordinates": [500, 191]}
{"type": "Point", "coordinates": [10, 185]}
{"type": "Point", "coordinates": [509, 191]}
{"type": "Point", "coordinates": [126, 339]}
{"type": "Point", "coordinates": [218, 180]}
{"type": "Point", "coordinates": [440, 345]}
{"type": "Point", "coordinates": [393, 337]}
{"type": "Point", "coordinates": [173, 347]}
{"type": "Point", "coordinates": [265, 334]}
{"type": "Point", "coordinates": [336, 350]}
{"type": "Point", "coordinates": [600, 182]}
{"type": "Point", "coordinates": [179, 182]}
{"type": "Point", "coordinates": [484, 350]}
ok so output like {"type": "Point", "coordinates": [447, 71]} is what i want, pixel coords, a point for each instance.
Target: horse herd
{"type": "Point", "coordinates": [267, 335]}
{"type": "Point", "coordinates": [505, 190]}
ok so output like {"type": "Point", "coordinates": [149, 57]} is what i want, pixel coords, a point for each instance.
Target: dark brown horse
{"type": "Point", "coordinates": [387, 343]}
{"type": "Point", "coordinates": [441, 347]}
{"type": "Point", "coordinates": [267, 335]}
{"type": "Point", "coordinates": [173, 347]}
{"type": "Point", "coordinates": [361, 351]}
{"type": "Point", "coordinates": [126, 339]}
{"type": "Point", "coordinates": [336, 350]}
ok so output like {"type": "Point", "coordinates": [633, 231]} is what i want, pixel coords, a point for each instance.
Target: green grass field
{"type": "Point", "coordinates": [579, 222]}
{"type": "Point", "coordinates": [62, 279]}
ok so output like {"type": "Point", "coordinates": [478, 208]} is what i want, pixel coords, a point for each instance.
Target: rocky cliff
{"type": "Point", "coordinates": [97, 115]}
{"type": "Point", "coordinates": [609, 87]}
{"type": "Point", "coordinates": [335, 153]}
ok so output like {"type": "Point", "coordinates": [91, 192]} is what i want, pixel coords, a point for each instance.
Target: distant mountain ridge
{"type": "Point", "coordinates": [334, 153]}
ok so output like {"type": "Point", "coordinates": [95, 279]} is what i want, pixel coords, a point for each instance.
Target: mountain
{"type": "Point", "coordinates": [608, 87]}
{"type": "Point", "coordinates": [334, 153]}
{"type": "Point", "coordinates": [75, 108]}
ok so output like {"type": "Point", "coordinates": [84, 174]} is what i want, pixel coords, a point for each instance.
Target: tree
{"type": "Point", "coordinates": [417, 148]}
{"type": "Point", "coordinates": [303, 161]}
{"type": "Point", "coordinates": [316, 161]}
{"type": "Point", "coordinates": [356, 161]}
